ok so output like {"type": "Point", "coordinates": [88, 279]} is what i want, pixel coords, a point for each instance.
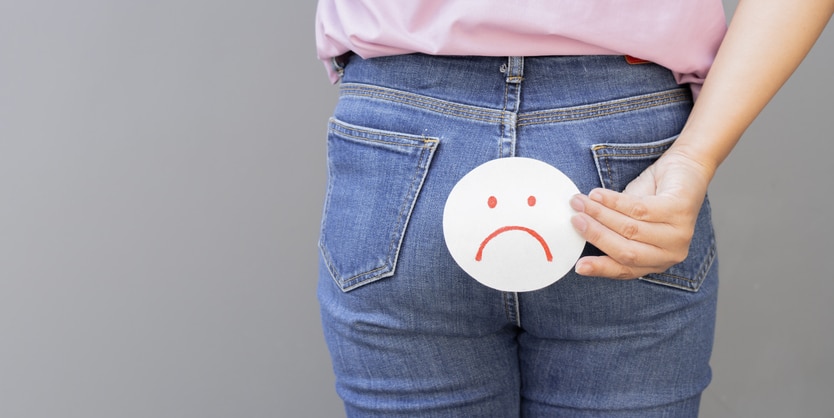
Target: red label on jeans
{"type": "Point", "coordinates": [634, 60]}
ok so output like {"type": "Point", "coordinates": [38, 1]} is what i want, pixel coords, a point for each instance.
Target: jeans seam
{"type": "Point", "coordinates": [511, 308]}
{"type": "Point", "coordinates": [423, 102]}
{"type": "Point", "coordinates": [604, 109]}
{"type": "Point", "coordinates": [512, 102]}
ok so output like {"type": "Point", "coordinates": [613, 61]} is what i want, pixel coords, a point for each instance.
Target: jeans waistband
{"type": "Point", "coordinates": [560, 81]}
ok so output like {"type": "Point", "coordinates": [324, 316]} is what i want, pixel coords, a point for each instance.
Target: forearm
{"type": "Point", "coordinates": [765, 42]}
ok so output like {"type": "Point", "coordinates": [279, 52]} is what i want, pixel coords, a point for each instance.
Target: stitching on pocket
{"type": "Point", "coordinates": [684, 283]}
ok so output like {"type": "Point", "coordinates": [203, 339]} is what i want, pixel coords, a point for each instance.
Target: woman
{"type": "Point", "coordinates": [616, 96]}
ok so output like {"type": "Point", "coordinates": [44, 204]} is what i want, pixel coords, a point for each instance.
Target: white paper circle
{"type": "Point", "coordinates": [507, 224]}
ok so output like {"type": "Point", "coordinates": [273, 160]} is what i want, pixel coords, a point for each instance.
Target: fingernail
{"type": "Point", "coordinates": [582, 268]}
{"type": "Point", "coordinates": [577, 204]}
{"type": "Point", "coordinates": [580, 224]}
{"type": "Point", "coordinates": [595, 196]}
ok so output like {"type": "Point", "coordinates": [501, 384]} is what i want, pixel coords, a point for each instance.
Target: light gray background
{"type": "Point", "coordinates": [161, 176]}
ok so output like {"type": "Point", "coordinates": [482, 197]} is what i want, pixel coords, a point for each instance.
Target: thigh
{"type": "Point", "coordinates": [399, 361]}
{"type": "Point", "coordinates": [598, 347]}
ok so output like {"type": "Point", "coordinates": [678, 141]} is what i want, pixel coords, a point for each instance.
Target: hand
{"type": "Point", "coordinates": [648, 227]}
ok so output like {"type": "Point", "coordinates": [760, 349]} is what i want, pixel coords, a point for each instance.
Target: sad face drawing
{"type": "Point", "coordinates": [507, 224]}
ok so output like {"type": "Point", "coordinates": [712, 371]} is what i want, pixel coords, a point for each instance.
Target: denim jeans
{"type": "Point", "coordinates": [410, 334]}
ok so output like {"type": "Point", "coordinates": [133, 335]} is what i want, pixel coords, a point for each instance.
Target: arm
{"type": "Point", "coordinates": [647, 228]}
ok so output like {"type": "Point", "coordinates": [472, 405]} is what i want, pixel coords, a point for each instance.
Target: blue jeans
{"type": "Point", "coordinates": [410, 334]}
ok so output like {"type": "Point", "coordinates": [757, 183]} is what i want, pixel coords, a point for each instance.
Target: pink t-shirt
{"type": "Point", "coordinates": [682, 35]}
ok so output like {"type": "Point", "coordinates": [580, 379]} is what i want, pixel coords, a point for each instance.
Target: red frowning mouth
{"type": "Point", "coordinates": [501, 230]}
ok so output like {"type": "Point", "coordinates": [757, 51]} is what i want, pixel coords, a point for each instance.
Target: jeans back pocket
{"type": "Point", "coordinates": [374, 178]}
{"type": "Point", "coordinates": [618, 165]}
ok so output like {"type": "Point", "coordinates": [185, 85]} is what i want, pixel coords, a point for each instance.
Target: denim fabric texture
{"type": "Point", "coordinates": [411, 335]}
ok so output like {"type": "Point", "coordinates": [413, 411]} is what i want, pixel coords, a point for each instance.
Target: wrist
{"type": "Point", "coordinates": [697, 158]}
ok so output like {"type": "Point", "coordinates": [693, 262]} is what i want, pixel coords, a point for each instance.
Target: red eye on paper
{"type": "Point", "coordinates": [531, 201]}
{"type": "Point", "coordinates": [492, 202]}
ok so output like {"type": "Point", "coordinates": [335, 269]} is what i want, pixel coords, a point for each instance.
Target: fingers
{"type": "Point", "coordinates": [639, 234]}
{"type": "Point", "coordinates": [648, 227]}
{"type": "Point", "coordinates": [626, 259]}
{"type": "Point", "coordinates": [606, 267]}
{"type": "Point", "coordinates": [613, 219]}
